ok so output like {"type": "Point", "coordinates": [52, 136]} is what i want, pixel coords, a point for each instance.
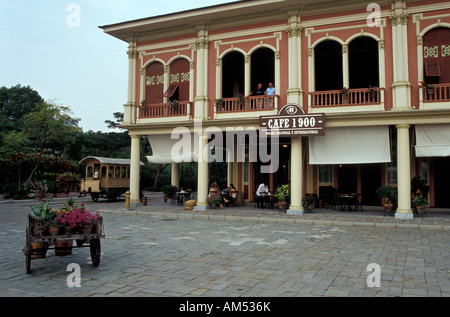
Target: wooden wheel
{"type": "Point", "coordinates": [94, 196]}
{"type": "Point", "coordinates": [95, 247]}
{"type": "Point", "coordinates": [27, 251]}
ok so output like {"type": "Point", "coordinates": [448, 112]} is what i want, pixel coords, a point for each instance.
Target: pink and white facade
{"type": "Point", "coordinates": [386, 130]}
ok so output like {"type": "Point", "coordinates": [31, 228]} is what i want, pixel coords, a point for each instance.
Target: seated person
{"type": "Point", "coordinates": [233, 199]}
{"type": "Point", "coordinates": [214, 188]}
{"type": "Point", "coordinates": [225, 197]}
{"type": "Point", "coordinates": [262, 188]}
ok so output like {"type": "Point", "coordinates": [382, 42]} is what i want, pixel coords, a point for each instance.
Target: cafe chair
{"type": "Point", "coordinates": [234, 198]}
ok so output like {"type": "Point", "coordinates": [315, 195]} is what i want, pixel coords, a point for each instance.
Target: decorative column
{"type": "Point", "coordinates": [296, 207]}
{"type": "Point", "coordinates": [345, 65]}
{"type": "Point", "coordinates": [203, 172]}
{"type": "Point", "coordinates": [135, 170]}
{"type": "Point", "coordinates": [294, 31]}
{"type": "Point", "coordinates": [201, 99]}
{"type": "Point", "coordinates": [129, 114]}
{"type": "Point", "coordinates": [403, 173]}
{"type": "Point", "coordinates": [401, 88]}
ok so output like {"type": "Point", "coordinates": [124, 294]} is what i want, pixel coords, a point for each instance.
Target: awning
{"type": "Point", "coordinates": [352, 145]}
{"type": "Point", "coordinates": [432, 140]}
{"type": "Point", "coordinates": [167, 150]}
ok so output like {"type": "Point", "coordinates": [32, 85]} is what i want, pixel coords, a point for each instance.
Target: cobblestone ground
{"type": "Point", "coordinates": [148, 255]}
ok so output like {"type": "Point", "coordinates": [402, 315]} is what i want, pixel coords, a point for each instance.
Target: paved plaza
{"type": "Point", "coordinates": [162, 250]}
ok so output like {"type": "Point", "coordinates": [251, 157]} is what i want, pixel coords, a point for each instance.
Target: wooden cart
{"type": "Point", "coordinates": [37, 243]}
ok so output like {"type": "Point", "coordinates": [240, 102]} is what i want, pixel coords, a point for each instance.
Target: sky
{"type": "Point", "coordinates": [57, 48]}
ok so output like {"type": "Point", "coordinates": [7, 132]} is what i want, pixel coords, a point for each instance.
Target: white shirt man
{"type": "Point", "coordinates": [262, 189]}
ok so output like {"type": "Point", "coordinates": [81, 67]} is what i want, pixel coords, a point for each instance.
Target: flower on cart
{"type": "Point", "coordinates": [344, 91]}
{"type": "Point", "coordinates": [75, 216]}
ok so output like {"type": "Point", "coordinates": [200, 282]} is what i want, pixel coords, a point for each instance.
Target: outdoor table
{"type": "Point", "coordinates": [266, 200]}
{"type": "Point", "coordinates": [347, 201]}
{"type": "Point", "coordinates": [181, 196]}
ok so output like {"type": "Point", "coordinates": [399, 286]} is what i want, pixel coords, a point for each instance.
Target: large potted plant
{"type": "Point", "coordinates": [281, 194]}
{"type": "Point", "coordinates": [309, 202]}
{"type": "Point", "coordinates": [419, 203]}
{"type": "Point", "coordinates": [388, 194]}
{"type": "Point", "coordinates": [169, 191]}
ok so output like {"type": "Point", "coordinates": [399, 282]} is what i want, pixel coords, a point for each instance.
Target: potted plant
{"type": "Point", "coordinates": [169, 191]}
{"type": "Point", "coordinates": [419, 203]}
{"type": "Point", "coordinates": [281, 194]}
{"type": "Point", "coordinates": [309, 202]}
{"type": "Point", "coordinates": [344, 93]}
{"type": "Point", "coordinates": [213, 200]}
{"type": "Point", "coordinates": [428, 87]}
{"type": "Point", "coordinates": [387, 192]}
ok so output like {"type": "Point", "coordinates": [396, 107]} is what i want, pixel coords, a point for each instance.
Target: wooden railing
{"type": "Point", "coordinates": [334, 98]}
{"type": "Point", "coordinates": [240, 104]}
{"type": "Point", "coordinates": [164, 110]}
{"type": "Point", "coordinates": [439, 92]}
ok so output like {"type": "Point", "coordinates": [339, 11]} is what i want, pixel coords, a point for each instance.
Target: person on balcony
{"type": "Point", "coordinates": [258, 103]}
{"type": "Point", "coordinates": [270, 91]}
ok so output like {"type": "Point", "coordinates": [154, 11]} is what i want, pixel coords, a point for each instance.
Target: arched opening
{"type": "Point", "coordinates": [436, 46]}
{"type": "Point", "coordinates": [328, 66]}
{"type": "Point", "coordinates": [233, 74]}
{"type": "Point", "coordinates": [154, 90]}
{"type": "Point", "coordinates": [363, 63]}
{"type": "Point", "coordinates": [262, 67]}
{"type": "Point", "coordinates": [179, 80]}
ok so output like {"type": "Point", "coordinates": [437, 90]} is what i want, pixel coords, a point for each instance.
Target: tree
{"type": "Point", "coordinates": [51, 126]}
{"type": "Point", "coordinates": [115, 124]}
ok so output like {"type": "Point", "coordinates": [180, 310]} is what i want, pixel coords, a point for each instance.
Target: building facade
{"type": "Point", "coordinates": [378, 72]}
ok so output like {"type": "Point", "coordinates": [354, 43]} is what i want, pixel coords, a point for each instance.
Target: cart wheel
{"type": "Point", "coordinates": [95, 252]}
{"type": "Point", "coordinates": [94, 197]}
{"type": "Point", "coordinates": [28, 251]}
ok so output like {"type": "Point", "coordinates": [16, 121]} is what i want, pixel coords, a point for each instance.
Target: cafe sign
{"type": "Point", "coordinates": [292, 120]}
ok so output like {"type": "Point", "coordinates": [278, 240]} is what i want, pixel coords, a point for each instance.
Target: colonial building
{"type": "Point", "coordinates": [378, 73]}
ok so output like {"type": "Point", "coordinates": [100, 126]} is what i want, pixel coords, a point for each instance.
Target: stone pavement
{"type": "Point", "coordinates": [162, 250]}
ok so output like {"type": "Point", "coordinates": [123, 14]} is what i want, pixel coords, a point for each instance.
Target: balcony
{"type": "Point", "coordinates": [435, 98]}
{"type": "Point", "coordinates": [245, 106]}
{"type": "Point", "coordinates": [355, 100]}
{"type": "Point", "coordinates": [167, 111]}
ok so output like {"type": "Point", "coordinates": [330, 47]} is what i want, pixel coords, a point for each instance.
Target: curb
{"type": "Point", "coordinates": [268, 219]}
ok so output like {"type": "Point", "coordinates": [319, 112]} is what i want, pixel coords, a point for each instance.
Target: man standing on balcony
{"type": "Point", "coordinates": [257, 103]}
{"type": "Point", "coordinates": [270, 90]}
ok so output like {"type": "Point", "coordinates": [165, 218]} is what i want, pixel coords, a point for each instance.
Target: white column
{"type": "Point", "coordinates": [403, 173]}
{"type": "Point", "coordinates": [345, 65]}
{"type": "Point", "coordinates": [296, 207]}
{"type": "Point", "coordinates": [203, 173]}
{"type": "Point", "coordinates": [294, 31]}
{"type": "Point", "coordinates": [175, 175]}
{"type": "Point", "coordinates": [201, 99]}
{"type": "Point", "coordinates": [130, 107]}
{"type": "Point", "coordinates": [247, 75]}
{"type": "Point", "coordinates": [135, 169]}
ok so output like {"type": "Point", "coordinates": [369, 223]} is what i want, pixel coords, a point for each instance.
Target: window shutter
{"type": "Point", "coordinates": [432, 67]}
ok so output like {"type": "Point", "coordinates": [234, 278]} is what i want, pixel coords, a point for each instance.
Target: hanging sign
{"type": "Point", "coordinates": [292, 120]}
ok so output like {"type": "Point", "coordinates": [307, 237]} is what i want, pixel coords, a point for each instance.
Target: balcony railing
{"type": "Point", "coordinates": [241, 104]}
{"type": "Point", "coordinates": [165, 110]}
{"type": "Point", "coordinates": [335, 98]}
{"type": "Point", "coordinates": [438, 93]}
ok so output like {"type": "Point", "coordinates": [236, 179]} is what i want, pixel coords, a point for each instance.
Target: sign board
{"type": "Point", "coordinates": [291, 121]}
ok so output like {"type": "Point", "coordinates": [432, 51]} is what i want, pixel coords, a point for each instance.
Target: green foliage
{"type": "Point", "coordinates": [169, 190]}
{"type": "Point", "coordinates": [387, 192]}
{"type": "Point", "coordinates": [309, 201]}
{"type": "Point", "coordinates": [282, 192]}
{"type": "Point", "coordinates": [419, 201]}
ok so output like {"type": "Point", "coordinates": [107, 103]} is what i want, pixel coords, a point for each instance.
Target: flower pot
{"type": "Point", "coordinates": [68, 231]}
{"type": "Point", "coordinates": [282, 205]}
{"type": "Point", "coordinates": [38, 250]}
{"type": "Point", "coordinates": [419, 209]}
{"type": "Point", "coordinates": [87, 228]}
{"type": "Point", "coordinates": [388, 208]}
{"type": "Point", "coordinates": [63, 248]}
{"type": "Point", "coordinates": [53, 230]}
{"type": "Point", "coordinates": [144, 201]}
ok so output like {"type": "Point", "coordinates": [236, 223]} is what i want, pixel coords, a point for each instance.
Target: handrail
{"type": "Point", "coordinates": [164, 110]}
{"type": "Point", "coordinates": [333, 98]}
{"type": "Point", "coordinates": [438, 92]}
{"type": "Point", "coordinates": [239, 104]}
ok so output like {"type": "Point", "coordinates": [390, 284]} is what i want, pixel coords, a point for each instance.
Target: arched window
{"type": "Point", "coordinates": [363, 63]}
{"type": "Point", "coordinates": [436, 54]}
{"type": "Point", "coordinates": [233, 74]}
{"type": "Point", "coordinates": [328, 66]}
{"type": "Point", "coordinates": [262, 67]}
{"type": "Point", "coordinates": [179, 80]}
{"type": "Point", "coordinates": [154, 90]}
